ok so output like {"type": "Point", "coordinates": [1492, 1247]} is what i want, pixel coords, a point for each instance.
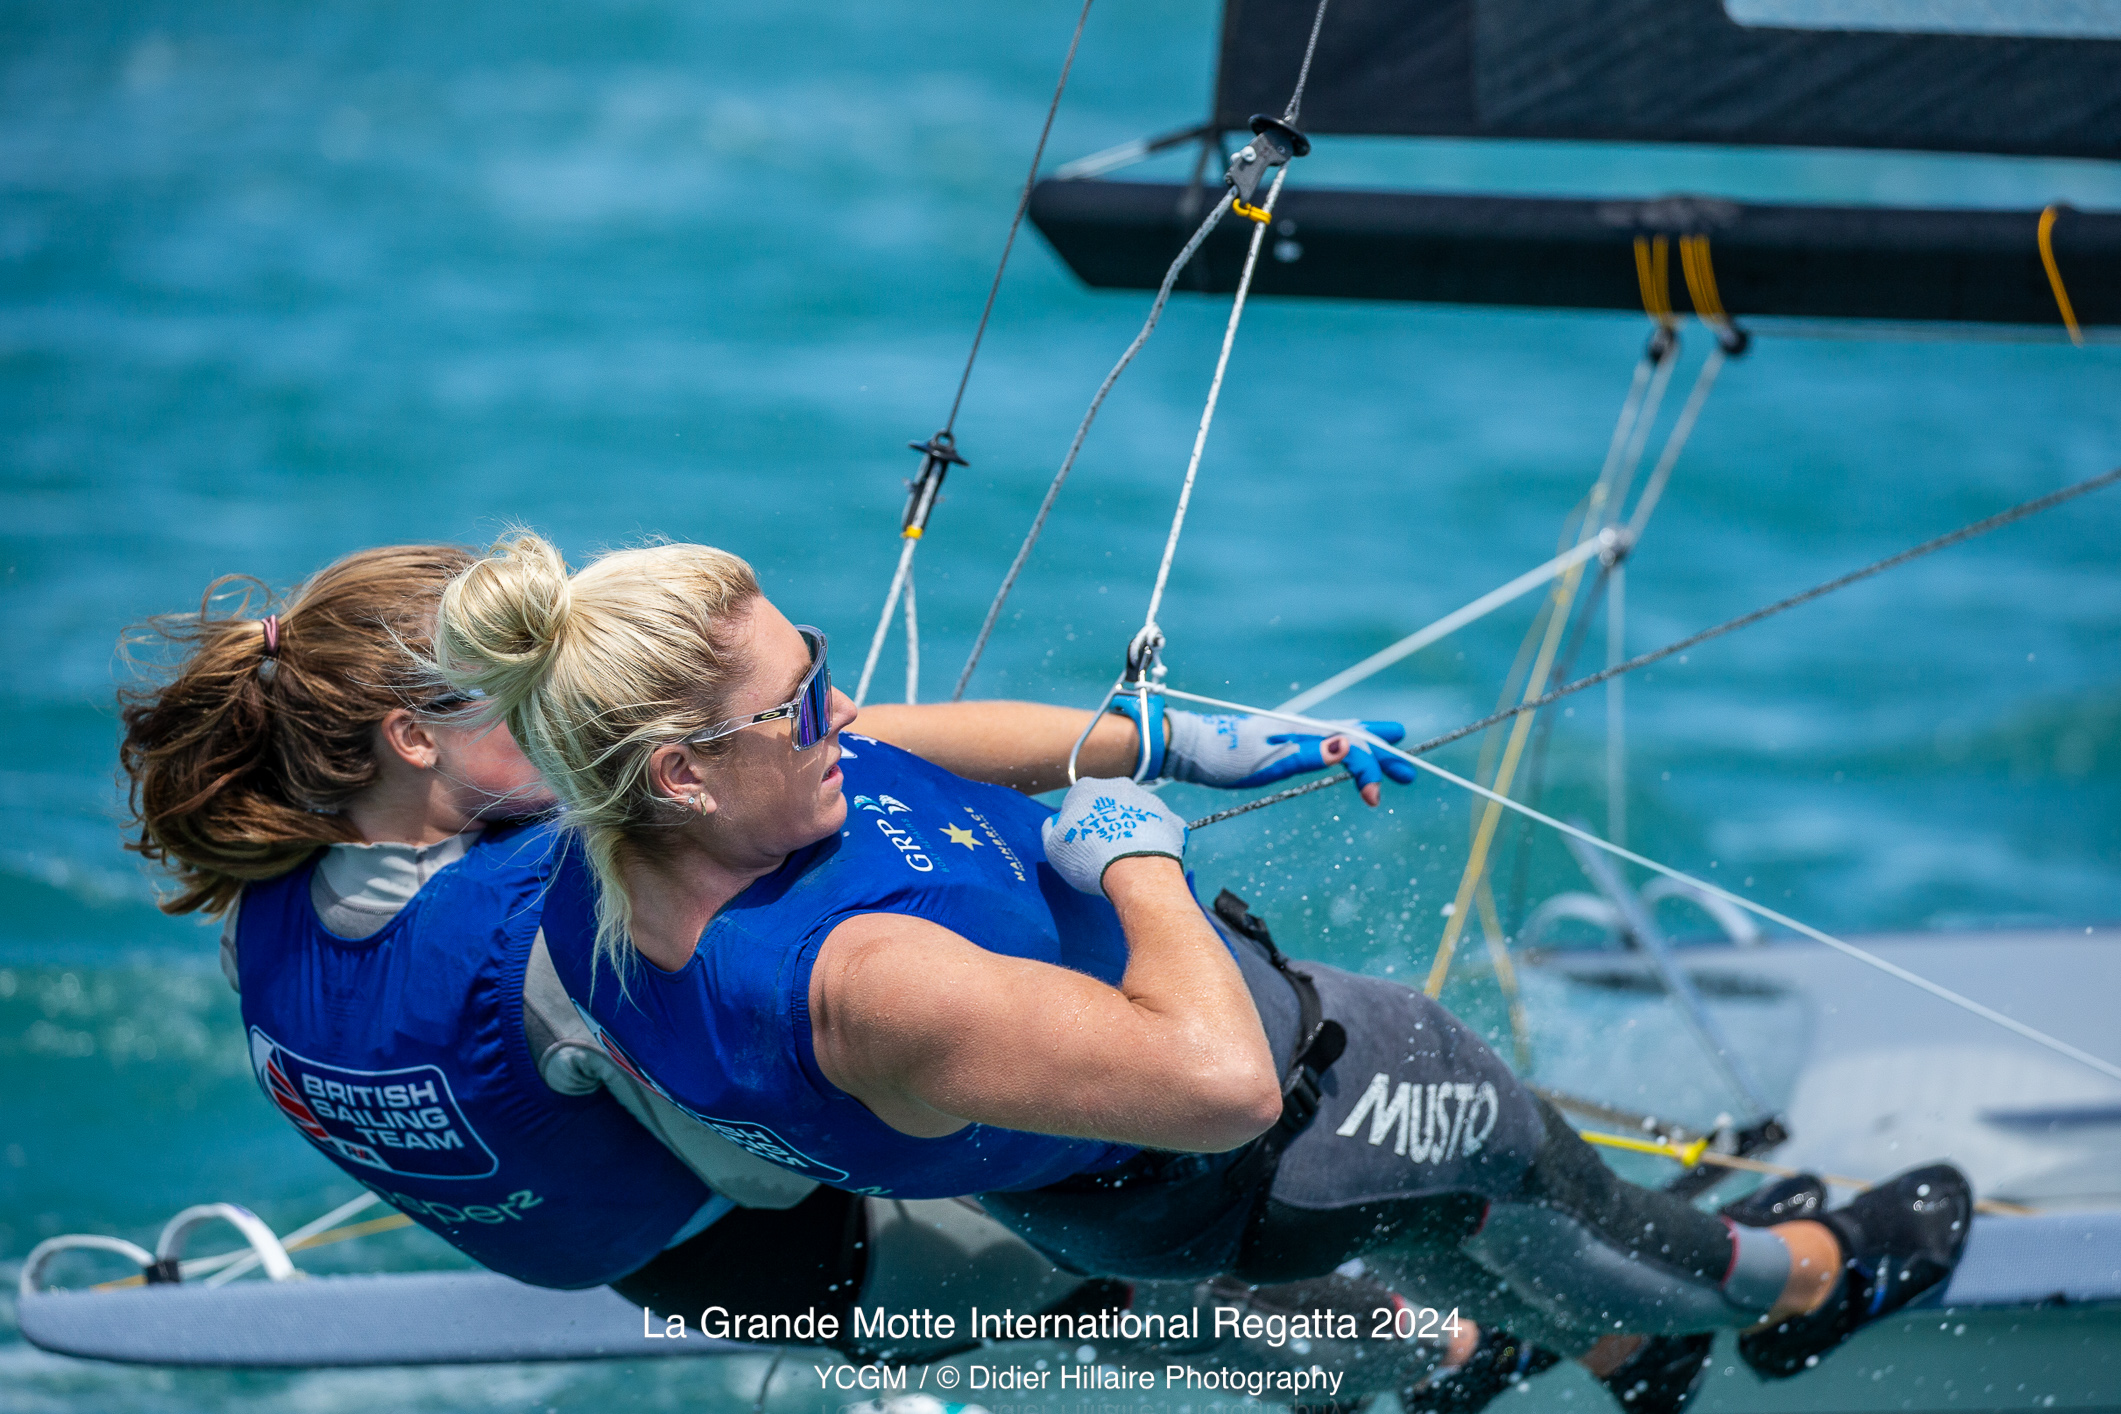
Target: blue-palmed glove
{"type": "Point", "coordinates": [1233, 752]}
{"type": "Point", "coordinates": [1103, 821]}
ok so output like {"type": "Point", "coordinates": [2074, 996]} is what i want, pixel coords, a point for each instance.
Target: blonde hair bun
{"type": "Point", "coordinates": [593, 674]}
{"type": "Point", "coordinates": [503, 618]}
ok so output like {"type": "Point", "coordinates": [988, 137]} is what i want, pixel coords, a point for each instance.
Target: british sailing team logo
{"type": "Point", "coordinates": [1429, 1124]}
{"type": "Point", "coordinates": [753, 1138]}
{"type": "Point", "coordinates": [402, 1121]}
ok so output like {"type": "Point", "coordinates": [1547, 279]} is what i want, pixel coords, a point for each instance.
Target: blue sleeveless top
{"type": "Point", "coordinates": [402, 1057]}
{"type": "Point", "coordinates": [727, 1036]}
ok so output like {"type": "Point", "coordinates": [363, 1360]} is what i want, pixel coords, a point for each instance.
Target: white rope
{"type": "Point", "coordinates": [1616, 722]}
{"type": "Point", "coordinates": [1891, 969]}
{"type": "Point", "coordinates": [1215, 392]}
{"type": "Point", "coordinates": [1674, 443]}
{"type": "Point", "coordinates": [1630, 410]}
{"type": "Point", "coordinates": [1450, 623]}
{"type": "Point", "coordinates": [1075, 445]}
{"type": "Point", "coordinates": [1614, 482]}
{"type": "Point", "coordinates": [1616, 588]}
{"type": "Point", "coordinates": [234, 1264]}
{"type": "Point", "coordinates": [913, 644]}
{"type": "Point", "coordinates": [1303, 74]}
{"type": "Point", "coordinates": [883, 620]}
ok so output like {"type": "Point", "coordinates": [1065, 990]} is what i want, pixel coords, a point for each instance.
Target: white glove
{"type": "Point", "coordinates": [1236, 752]}
{"type": "Point", "coordinates": [1101, 821]}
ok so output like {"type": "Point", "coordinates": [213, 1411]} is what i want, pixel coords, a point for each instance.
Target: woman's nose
{"type": "Point", "coordinates": [843, 710]}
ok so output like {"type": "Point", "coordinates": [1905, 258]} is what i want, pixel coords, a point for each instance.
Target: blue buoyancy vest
{"type": "Point", "coordinates": [402, 1056]}
{"type": "Point", "coordinates": [727, 1036]}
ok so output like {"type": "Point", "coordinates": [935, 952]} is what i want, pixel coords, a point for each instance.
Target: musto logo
{"type": "Point", "coordinates": [1427, 1123]}
{"type": "Point", "coordinates": [398, 1121]}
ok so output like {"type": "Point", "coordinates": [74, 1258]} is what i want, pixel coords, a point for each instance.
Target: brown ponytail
{"type": "Point", "coordinates": [253, 733]}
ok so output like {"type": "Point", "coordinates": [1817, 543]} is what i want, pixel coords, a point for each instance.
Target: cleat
{"type": "Point", "coordinates": [1661, 1376]}
{"type": "Point", "coordinates": [1786, 1200]}
{"type": "Point", "coordinates": [1897, 1241]}
{"type": "Point", "coordinates": [1499, 1362]}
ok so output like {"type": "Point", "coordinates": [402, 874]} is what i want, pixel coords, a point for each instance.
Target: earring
{"type": "Point", "coordinates": [699, 802]}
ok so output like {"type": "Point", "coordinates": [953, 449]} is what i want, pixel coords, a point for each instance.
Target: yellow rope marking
{"type": "Point", "coordinates": [388, 1223]}
{"type": "Point", "coordinates": [911, 532]}
{"type": "Point", "coordinates": [1689, 1154]}
{"type": "Point", "coordinates": [1701, 280]}
{"type": "Point", "coordinates": [1698, 1152]}
{"type": "Point", "coordinates": [1653, 272]}
{"type": "Point", "coordinates": [1252, 213]}
{"type": "Point", "coordinates": [2054, 273]}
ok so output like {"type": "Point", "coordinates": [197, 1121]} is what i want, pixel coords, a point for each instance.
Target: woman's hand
{"type": "Point", "coordinates": [1104, 821]}
{"type": "Point", "coordinates": [1025, 745]}
{"type": "Point", "coordinates": [1234, 752]}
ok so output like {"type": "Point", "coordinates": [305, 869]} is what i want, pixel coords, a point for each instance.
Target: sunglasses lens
{"type": "Point", "coordinates": [813, 710]}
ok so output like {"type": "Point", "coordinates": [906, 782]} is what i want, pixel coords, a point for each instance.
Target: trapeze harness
{"type": "Point", "coordinates": [1400, 1126]}
{"type": "Point", "coordinates": [402, 1056]}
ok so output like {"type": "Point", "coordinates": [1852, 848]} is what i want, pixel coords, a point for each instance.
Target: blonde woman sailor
{"type": "Point", "coordinates": [873, 961]}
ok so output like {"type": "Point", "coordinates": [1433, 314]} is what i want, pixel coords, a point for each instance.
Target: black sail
{"type": "Point", "coordinates": [1665, 71]}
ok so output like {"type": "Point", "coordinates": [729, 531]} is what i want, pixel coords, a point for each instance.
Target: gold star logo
{"type": "Point", "coordinates": [960, 835]}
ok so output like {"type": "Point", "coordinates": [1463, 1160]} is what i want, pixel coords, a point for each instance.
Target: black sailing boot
{"type": "Point", "coordinates": [1668, 1370]}
{"type": "Point", "coordinates": [1897, 1241]}
{"type": "Point", "coordinates": [1498, 1362]}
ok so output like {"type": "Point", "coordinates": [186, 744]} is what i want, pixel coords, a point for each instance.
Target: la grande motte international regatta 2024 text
{"type": "Point", "coordinates": [882, 1329]}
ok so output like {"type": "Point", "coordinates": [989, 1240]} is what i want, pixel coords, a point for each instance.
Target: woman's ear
{"type": "Point", "coordinates": [406, 737]}
{"type": "Point", "coordinates": [674, 773]}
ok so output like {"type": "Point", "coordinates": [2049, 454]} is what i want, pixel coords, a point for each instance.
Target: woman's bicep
{"type": "Point", "coordinates": [931, 1031]}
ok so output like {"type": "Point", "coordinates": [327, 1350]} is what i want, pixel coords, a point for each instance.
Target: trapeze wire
{"type": "Point", "coordinates": [1943, 993]}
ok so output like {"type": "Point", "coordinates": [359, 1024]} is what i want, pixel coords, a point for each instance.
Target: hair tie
{"type": "Point", "coordinates": [269, 657]}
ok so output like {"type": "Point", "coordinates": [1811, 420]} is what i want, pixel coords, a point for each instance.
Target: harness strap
{"type": "Point", "coordinates": [1320, 1041]}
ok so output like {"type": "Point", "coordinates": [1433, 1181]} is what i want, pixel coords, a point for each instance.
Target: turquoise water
{"type": "Point", "coordinates": [277, 282]}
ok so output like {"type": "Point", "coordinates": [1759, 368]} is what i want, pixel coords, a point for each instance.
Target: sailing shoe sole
{"type": "Point", "coordinates": [1897, 1240]}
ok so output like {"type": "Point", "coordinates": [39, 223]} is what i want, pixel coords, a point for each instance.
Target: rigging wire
{"type": "Point", "coordinates": [1450, 623]}
{"type": "Point", "coordinates": [1016, 222]}
{"type": "Point", "coordinates": [1630, 438]}
{"type": "Point", "coordinates": [941, 449]}
{"type": "Point", "coordinates": [1163, 294]}
{"type": "Point", "coordinates": [1075, 444]}
{"type": "Point", "coordinates": [1149, 628]}
{"type": "Point", "coordinates": [1892, 969]}
{"type": "Point", "coordinates": [1942, 542]}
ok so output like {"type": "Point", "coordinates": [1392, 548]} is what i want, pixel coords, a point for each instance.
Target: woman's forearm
{"type": "Point", "coordinates": [1179, 971]}
{"type": "Point", "coordinates": [1023, 745]}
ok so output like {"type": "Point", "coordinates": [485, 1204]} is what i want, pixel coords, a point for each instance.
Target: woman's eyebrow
{"type": "Point", "coordinates": [795, 683]}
